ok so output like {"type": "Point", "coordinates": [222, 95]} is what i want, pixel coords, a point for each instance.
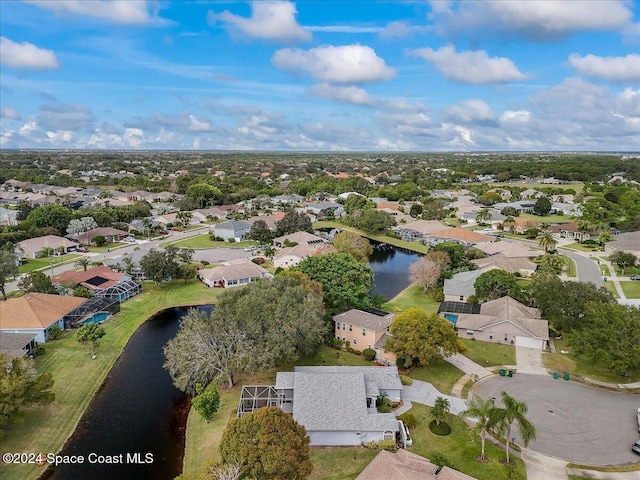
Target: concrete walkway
{"type": "Point", "coordinates": [425, 393]}
{"type": "Point", "coordinates": [468, 366]}
{"type": "Point", "coordinates": [543, 467]}
{"type": "Point", "coordinates": [529, 360]}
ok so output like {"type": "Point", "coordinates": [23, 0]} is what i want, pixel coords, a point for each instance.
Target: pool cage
{"type": "Point", "coordinates": [254, 397]}
{"type": "Point", "coordinates": [121, 291]}
{"type": "Point", "coordinates": [93, 310]}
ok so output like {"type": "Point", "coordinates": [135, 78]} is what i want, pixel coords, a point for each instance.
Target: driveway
{"type": "Point", "coordinates": [529, 360]}
{"type": "Point", "coordinates": [425, 393]}
{"type": "Point", "coordinates": [574, 422]}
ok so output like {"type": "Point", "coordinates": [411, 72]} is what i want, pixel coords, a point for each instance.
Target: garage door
{"type": "Point", "coordinates": [529, 342]}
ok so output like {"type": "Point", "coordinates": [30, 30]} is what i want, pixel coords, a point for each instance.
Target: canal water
{"type": "Point", "coordinates": [391, 269]}
{"type": "Point", "coordinates": [137, 416]}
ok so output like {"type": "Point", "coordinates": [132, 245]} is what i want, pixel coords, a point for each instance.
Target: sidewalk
{"type": "Point", "coordinates": [425, 393]}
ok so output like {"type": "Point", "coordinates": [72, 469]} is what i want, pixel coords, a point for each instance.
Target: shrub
{"type": "Point", "coordinates": [336, 343]}
{"type": "Point", "coordinates": [207, 401]}
{"type": "Point", "coordinates": [369, 354]}
{"type": "Point", "coordinates": [372, 445]}
{"type": "Point", "coordinates": [389, 445]}
{"type": "Point", "coordinates": [409, 420]}
{"type": "Point", "coordinates": [439, 459]}
{"type": "Point", "coordinates": [278, 270]}
{"type": "Point", "coordinates": [39, 350]}
{"type": "Point", "coordinates": [438, 295]}
{"type": "Point", "coordinates": [99, 240]}
{"type": "Point", "coordinates": [405, 380]}
{"type": "Point", "coordinates": [400, 363]}
{"type": "Point", "coordinates": [350, 350]}
{"type": "Point", "coordinates": [232, 240]}
{"type": "Point", "coordinates": [204, 263]}
{"type": "Point", "coordinates": [357, 352]}
{"type": "Point", "coordinates": [55, 333]}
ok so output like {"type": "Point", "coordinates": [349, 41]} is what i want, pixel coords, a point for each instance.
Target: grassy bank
{"type": "Point", "coordinates": [77, 377]}
{"type": "Point", "coordinates": [413, 246]}
{"type": "Point", "coordinates": [412, 297]}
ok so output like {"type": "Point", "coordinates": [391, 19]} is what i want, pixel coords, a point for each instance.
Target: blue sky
{"type": "Point", "coordinates": [321, 75]}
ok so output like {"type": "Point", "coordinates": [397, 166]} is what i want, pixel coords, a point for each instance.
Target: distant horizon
{"type": "Point", "coordinates": [354, 76]}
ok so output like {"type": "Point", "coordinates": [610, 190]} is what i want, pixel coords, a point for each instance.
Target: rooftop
{"type": "Point", "coordinates": [367, 320]}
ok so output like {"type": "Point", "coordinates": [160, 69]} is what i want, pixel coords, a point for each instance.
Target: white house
{"type": "Point", "coordinates": [232, 229]}
{"type": "Point", "coordinates": [234, 275]}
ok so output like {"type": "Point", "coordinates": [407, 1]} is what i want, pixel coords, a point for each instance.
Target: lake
{"type": "Point", "coordinates": [391, 269]}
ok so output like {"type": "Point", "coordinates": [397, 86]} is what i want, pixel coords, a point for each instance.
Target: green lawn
{"type": "Point", "coordinates": [612, 288]}
{"type": "Point", "coordinates": [582, 247]}
{"type": "Point", "coordinates": [576, 186]}
{"type": "Point", "coordinates": [582, 366]}
{"type": "Point", "coordinates": [631, 288]}
{"type": "Point", "coordinates": [43, 262]}
{"type": "Point", "coordinates": [440, 374]}
{"type": "Point", "coordinates": [460, 448]}
{"type": "Point", "coordinates": [552, 218]}
{"type": "Point", "coordinates": [107, 247]}
{"type": "Point", "coordinates": [605, 270]}
{"type": "Point", "coordinates": [77, 377]}
{"type": "Point", "coordinates": [570, 264]}
{"type": "Point", "coordinates": [203, 241]}
{"type": "Point", "coordinates": [413, 246]}
{"type": "Point", "coordinates": [412, 297]}
{"type": "Point", "coordinates": [627, 271]}
{"type": "Point", "coordinates": [490, 354]}
{"type": "Point", "coordinates": [339, 463]}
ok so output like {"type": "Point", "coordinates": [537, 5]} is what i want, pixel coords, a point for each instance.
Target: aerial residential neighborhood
{"type": "Point", "coordinates": [312, 240]}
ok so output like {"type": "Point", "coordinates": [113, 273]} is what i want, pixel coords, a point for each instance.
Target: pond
{"type": "Point", "coordinates": [136, 411]}
{"type": "Point", "coordinates": [391, 269]}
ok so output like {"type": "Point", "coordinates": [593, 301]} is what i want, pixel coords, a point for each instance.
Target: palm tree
{"type": "Point", "coordinates": [505, 417]}
{"type": "Point", "coordinates": [47, 252]}
{"type": "Point", "coordinates": [440, 409]}
{"type": "Point", "coordinates": [483, 215]}
{"type": "Point", "coordinates": [482, 412]}
{"type": "Point", "coordinates": [509, 223]}
{"type": "Point", "coordinates": [547, 241]}
{"type": "Point", "coordinates": [82, 262]}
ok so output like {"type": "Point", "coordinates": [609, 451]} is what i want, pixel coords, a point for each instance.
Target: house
{"type": "Point", "coordinates": [523, 206]}
{"type": "Point", "coordinates": [8, 217]}
{"type": "Point", "coordinates": [572, 231]}
{"type": "Point", "coordinates": [461, 286]}
{"type": "Point", "coordinates": [509, 249]}
{"type": "Point", "coordinates": [233, 275]}
{"type": "Point", "coordinates": [365, 330]}
{"type": "Point", "coordinates": [269, 220]}
{"type": "Point", "coordinates": [625, 242]}
{"type": "Point", "coordinates": [36, 314]}
{"type": "Point", "coordinates": [208, 214]}
{"type": "Point", "coordinates": [290, 199]}
{"type": "Point", "coordinates": [418, 230]}
{"type": "Point", "coordinates": [323, 210]}
{"type": "Point", "coordinates": [336, 405]}
{"type": "Point", "coordinates": [523, 266]}
{"type": "Point", "coordinates": [110, 234]}
{"type": "Point", "coordinates": [531, 193]}
{"type": "Point", "coordinates": [405, 465]}
{"type": "Point", "coordinates": [232, 229]}
{"type": "Point", "coordinates": [458, 235]}
{"type": "Point", "coordinates": [292, 256]}
{"type": "Point", "coordinates": [17, 345]}
{"type": "Point", "coordinates": [571, 209]}
{"type": "Point", "coordinates": [505, 320]}
{"type": "Point", "coordinates": [32, 247]}
{"type": "Point", "coordinates": [101, 281]}
{"type": "Point", "coordinates": [301, 238]}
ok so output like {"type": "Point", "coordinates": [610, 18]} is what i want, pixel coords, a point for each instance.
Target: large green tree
{"type": "Point", "coordinates": [623, 259]}
{"type": "Point", "coordinates": [610, 335]}
{"type": "Point", "coordinates": [260, 232]}
{"type": "Point", "coordinates": [8, 269]}
{"type": "Point", "coordinates": [204, 194]}
{"type": "Point", "coordinates": [420, 338]}
{"type": "Point", "coordinates": [349, 242]}
{"type": "Point", "coordinates": [250, 329]}
{"type": "Point", "coordinates": [547, 241]}
{"type": "Point", "coordinates": [375, 221]}
{"type": "Point", "coordinates": [90, 334]}
{"type": "Point", "coordinates": [513, 412]}
{"type": "Point", "coordinates": [52, 216]}
{"type": "Point", "coordinates": [268, 444]}
{"type": "Point", "coordinates": [21, 386]}
{"type": "Point", "coordinates": [293, 222]}
{"type": "Point", "coordinates": [345, 281]}
{"type": "Point", "coordinates": [542, 206]}
{"type": "Point", "coordinates": [37, 282]}
{"type": "Point", "coordinates": [160, 266]}
{"type": "Point", "coordinates": [496, 283]}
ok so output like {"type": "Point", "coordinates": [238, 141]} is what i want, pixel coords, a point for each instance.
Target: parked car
{"type": "Point", "coordinates": [636, 447]}
{"type": "Point", "coordinates": [81, 250]}
{"type": "Point", "coordinates": [129, 240]}
{"type": "Point", "coordinates": [635, 277]}
{"type": "Point", "coordinates": [250, 249]}
{"type": "Point", "coordinates": [638, 418]}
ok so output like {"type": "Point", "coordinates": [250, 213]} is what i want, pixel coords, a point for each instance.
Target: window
{"type": "Point", "coordinates": [344, 326]}
{"type": "Point", "coordinates": [369, 346]}
{"type": "Point", "coordinates": [491, 336]}
{"type": "Point", "coordinates": [506, 337]}
{"type": "Point", "coordinates": [364, 331]}
{"type": "Point", "coordinates": [354, 341]}
{"type": "Point", "coordinates": [350, 327]}
{"type": "Point", "coordinates": [337, 326]}
{"type": "Point", "coordinates": [462, 298]}
{"type": "Point", "coordinates": [344, 339]}
{"type": "Point", "coordinates": [470, 333]}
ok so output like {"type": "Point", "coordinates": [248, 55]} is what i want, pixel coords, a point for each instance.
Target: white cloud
{"type": "Point", "coordinates": [28, 128]}
{"type": "Point", "coordinates": [475, 111]}
{"type": "Point", "coordinates": [344, 64]}
{"type": "Point", "coordinates": [26, 56]}
{"type": "Point", "coordinates": [65, 117]}
{"type": "Point", "coordinates": [198, 125]}
{"type": "Point", "coordinates": [348, 94]}
{"type": "Point", "coordinates": [130, 12]}
{"type": "Point", "coordinates": [515, 116]}
{"type": "Point", "coordinates": [470, 67]}
{"type": "Point", "coordinates": [10, 113]}
{"type": "Point", "coordinates": [133, 137]}
{"type": "Point", "coordinates": [342, 29]}
{"type": "Point", "coordinates": [614, 69]}
{"type": "Point", "coordinates": [272, 20]}
{"type": "Point", "coordinates": [543, 20]}
{"type": "Point", "coordinates": [399, 29]}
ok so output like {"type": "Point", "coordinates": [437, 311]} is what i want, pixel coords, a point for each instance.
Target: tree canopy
{"type": "Point", "coordinates": [542, 206]}
{"type": "Point", "coordinates": [345, 281]}
{"type": "Point", "coordinates": [52, 216]}
{"type": "Point", "coordinates": [267, 444]}
{"type": "Point", "coordinates": [623, 259]}
{"type": "Point", "coordinates": [425, 273]}
{"type": "Point", "coordinates": [420, 339]}
{"type": "Point", "coordinates": [250, 329]}
{"type": "Point", "coordinates": [496, 283]}
{"type": "Point", "coordinates": [260, 232]}
{"type": "Point", "coordinates": [160, 266]}
{"type": "Point", "coordinates": [8, 269]}
{"type": "Point", "coordinates": [90, 334]}
{"type": "Point", "coordinates": [293, 222]}
{"type": "Point", "coordinates": [349, 242]}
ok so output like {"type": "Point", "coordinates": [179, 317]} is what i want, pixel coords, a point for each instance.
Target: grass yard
{"type": "Point", "coordinates": [203, 241]}
{"type": "Point", "coordinates": [582, 247]}
{"type": "Point", "coordinates": [627, 271]}
{"type": "Point", "coordinates": [107, 247]}
{"type": "Point", "coordinates": [612, 288]}
{"type": "Point", "coordinates": [440, 374]}
{"type": "Point", "coordinates": [412, 297]}
{"type": "Point", "coordinates": [77, 377]}
{"type": "Point", "coordinates": [631, 289]}
{"type": "Point", "coordinates": [551, 218]}
{"type": "Point", "coordinates": [413, 246]}
{"type": "Point", "coordinates": [604, 269]}
{"type": "Point", "coordinates": [490, 354]}
{"type": "Point", "coordinates": [43, 262]}
{"type": "Point", "coordinates": [460, 448]}
{"type": "Point", "coordinates": [570, 265]}
{"type": "Point", "coordinates": [581, 365]}
{"type": "Point", "coordinates": [339, 463]}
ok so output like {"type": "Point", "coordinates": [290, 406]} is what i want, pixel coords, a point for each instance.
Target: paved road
{"type": "Point", "coordinates": [573, 422]}
{"type": "Point", "coordinates": [586, 269]}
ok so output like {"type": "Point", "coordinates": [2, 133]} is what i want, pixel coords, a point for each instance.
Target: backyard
{"type": "Point", "coordinates": [440, 374]}
{"type": "Point", "coordinates": [77, 377]}
{"type": "Point", "coordinates": [631, 289]}
{"type": "Point", "coordinates": [490, 354]}
{"type": "Point", "coordinates": [412, 297]}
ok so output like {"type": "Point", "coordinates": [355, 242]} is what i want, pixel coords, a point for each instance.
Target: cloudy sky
{"type": "Point", "coordinates": [321, 75]}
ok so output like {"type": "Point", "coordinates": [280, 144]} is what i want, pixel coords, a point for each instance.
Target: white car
{"type": "Point", "coordinates": [129, 240]}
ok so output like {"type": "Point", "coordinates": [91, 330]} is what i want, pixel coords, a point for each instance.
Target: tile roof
{"type": "Point", "coordinates": [300, 237]}
{"type": "Point", "coordinates": [107, 277]}
{"type": "Point", "coordinates": [507, 264]}
{"type": "Point", "coordinates": [36, 310]}
{"type": "Point", "coordinates": [38, 243]}
{"type": "Point", "coordinates": [234, 272]}
{"type": "Point", "coordinates": [509, 249]}
{"type": "Point", "coordinates": [467, 236]}
{"type": "Point", "coordinates": [367, 320]}
{"type": "Point", "coordinates": [425, 227]}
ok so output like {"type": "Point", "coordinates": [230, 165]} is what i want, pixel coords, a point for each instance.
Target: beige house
{"type": "Point", "coordinates": [365, 330]}
{"type": "Point", "coordinates": [523, 266]}
{"type": "Point", "coordinates": [234, 275]}
{"type": "Point", "coordinates": [509, 249]}
{"type": "Point", "coordinates": [301, 238]}
{"type": "Point", "coordinates": [292, 256]}
{"type": "Point", "coordinates": [31, 248]}
{"type": "Point", "coordinates": [505, 321]}
{"type": "Point", "coordinates": [405, 465]}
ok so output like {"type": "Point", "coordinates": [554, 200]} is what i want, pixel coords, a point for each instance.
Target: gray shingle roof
{"type": "Point", "coordinates": [386, 377]}
{"type": "Point", "coordinates": [364, 319]}
{"type": "Point", "coordinates": [462, 283]}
